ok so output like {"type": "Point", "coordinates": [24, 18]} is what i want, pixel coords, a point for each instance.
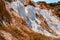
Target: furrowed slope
{"type": "Point", "coordinates": [27, 21]}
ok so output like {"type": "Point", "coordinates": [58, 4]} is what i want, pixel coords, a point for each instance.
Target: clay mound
{"type": "Point", "coordinates": [14, 27]}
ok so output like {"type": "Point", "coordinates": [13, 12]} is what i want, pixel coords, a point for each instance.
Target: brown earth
{"type": "Point", "coordinates": [17, 29]}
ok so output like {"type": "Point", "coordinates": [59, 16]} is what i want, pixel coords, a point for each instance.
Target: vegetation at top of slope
{"type": "Point", "coordinates": [54, 4]}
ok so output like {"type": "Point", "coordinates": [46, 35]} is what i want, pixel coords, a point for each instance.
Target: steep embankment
{"type": "Point", "coordinates": [57, 7]}
{"type": "Point", "coordinates": [27, 20]}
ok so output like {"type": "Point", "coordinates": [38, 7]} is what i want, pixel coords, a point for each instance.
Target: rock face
{"type": "Point", "coordinates": [27, 20]}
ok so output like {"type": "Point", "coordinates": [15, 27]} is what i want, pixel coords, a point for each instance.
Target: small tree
{"type": "Point", "coordinates": [58, 1]}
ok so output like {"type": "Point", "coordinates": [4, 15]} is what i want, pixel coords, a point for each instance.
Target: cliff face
{"type": "Point", "coordinates": [27, 20]}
